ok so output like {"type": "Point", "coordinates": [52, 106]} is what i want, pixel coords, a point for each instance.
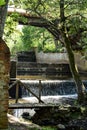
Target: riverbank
{"type": "Point", "coordinates": [68, 116]}
{"type": "Point", "coordinates": [20, 124]}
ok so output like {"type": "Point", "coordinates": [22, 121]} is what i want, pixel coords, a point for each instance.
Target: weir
{"type": "Point", "coordinates": [51, 87]}
{"type": "Point", "coordinates": [55, 78]}
{"type": "Point", "coordinates": [56, 81]}
{"type": "Point", "coordinates": [34, 65]}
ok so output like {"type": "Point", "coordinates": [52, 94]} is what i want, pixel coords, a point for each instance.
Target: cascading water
{"type": "Point", "coordinates": [53, 91]}
{"type": "Point", "coordinates": [50, 87]}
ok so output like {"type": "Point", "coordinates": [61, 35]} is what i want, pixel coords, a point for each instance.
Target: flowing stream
{"type": "Point", "coordinates": [52, 91]}
{"type": "Point", "coordinates": [49, 87]}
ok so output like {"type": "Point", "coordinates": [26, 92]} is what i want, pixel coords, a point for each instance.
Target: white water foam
{"type": "Point", "coordinates": [50, 99]}
{"type": "Point", "coordinates": [46, 99]}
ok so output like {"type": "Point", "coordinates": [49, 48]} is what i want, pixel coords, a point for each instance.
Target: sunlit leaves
{"type": "Point", "coordinates": [46, 8]}
{"type": "Point", "coordinates": [74, 10]}
{"type": "Point", "coordinates": [35, 37]}
{"type": "Point", "coordinates": [2, 2]}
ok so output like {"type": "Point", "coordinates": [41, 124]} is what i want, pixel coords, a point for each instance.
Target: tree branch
{"type": "Point", "coordinates": [51, 26]}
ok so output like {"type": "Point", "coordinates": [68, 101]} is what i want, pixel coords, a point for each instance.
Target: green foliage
{"type": "Point", "coordinates": [30, 37]}
{"type": "Point", "coordinates": [37, 37]}
{"type": "Point", "coordinates": [10, 27]}
{"type": "Point", "coordinates": [50, 47]}
{"type": "Point", "coordinates": [75, 18]}
{"type": "Point", "coordinates": [48, 128]}
{"type": "Point", "coordinates": [2, 2]}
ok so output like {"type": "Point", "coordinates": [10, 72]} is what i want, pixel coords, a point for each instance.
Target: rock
{"type": "Point", "coordinates": [17, 124]}
{"type": "Point", "coordinates": [61, 127]}
{"type": "Point", "coordinates": [12, 119]}
{"type": "Point", "coordinates": [26, 115]}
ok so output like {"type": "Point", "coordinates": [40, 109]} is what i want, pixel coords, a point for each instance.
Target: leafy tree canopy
{"type": "Point", "coordinates": [74, 11]}
{"type": "Point", "coordinates": [2, 2]}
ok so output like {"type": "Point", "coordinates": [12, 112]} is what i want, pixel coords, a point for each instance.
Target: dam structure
{"type": "Point", "coordinates": [49, 80]}
{"type": "Point", "coordinates": [51, 69]}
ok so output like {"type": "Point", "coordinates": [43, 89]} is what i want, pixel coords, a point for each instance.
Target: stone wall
{"type": "Point", "coordinates": [4, 80]}
{"type": "Point", "coordinates": [51, 58]}
{"type": "Point", "coordinates": [61, 58]}
{"type": "Point", "coordinates": [48, 65]}
{"type": "Point", "coordinates": [26, 56]}
{"type": "Point", "coordinates": [43, 70]}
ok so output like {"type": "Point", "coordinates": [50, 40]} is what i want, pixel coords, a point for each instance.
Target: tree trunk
{"type": "Point", "coordinates": [81, 91]}
{"type": "Point", "coordinates": [4, 82]}
{"type": "Point", "coordinates": [79, 85]}
{"type": "Point", "coordinates": [3, 13]}
{"type": "Point", "coordinates": [4, 71]}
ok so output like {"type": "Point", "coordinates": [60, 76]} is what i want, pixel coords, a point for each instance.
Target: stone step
{"type": "Point", "coordinates": [39, 69]}
{"type": "Point", "coordinates": [35, 64]}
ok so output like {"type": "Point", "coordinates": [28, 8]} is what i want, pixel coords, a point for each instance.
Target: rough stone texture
{"type": "Point", "coordinates": [59, 58]}
{"type": "Point", "coordinates": [4, 81]}
{"type": "Point", "coordinates": [49, 66]}
{"type": "Point", "coordinates": [13, 69]}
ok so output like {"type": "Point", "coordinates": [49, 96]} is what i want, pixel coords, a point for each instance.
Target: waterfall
{"type": "Point", "coordinates": [53, 91]}
{"type": "Point", "coordinates": [50, 87]}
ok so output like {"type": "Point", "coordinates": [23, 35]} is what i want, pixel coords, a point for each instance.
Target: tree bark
{"type": "Point", "coordinates": [4, 83]}
{"type": "Point", "coordinates": [81, 91]}
{"type": "Point", "coordinates": [4, 71]}
{"type": "Point", "coordinates": [79, 85]}
{"type": "Point", "coordinates": [3, 13]}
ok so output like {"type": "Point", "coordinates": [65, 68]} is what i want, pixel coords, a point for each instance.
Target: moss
{"type": "Point", "coordinates": [84, 111]}
{"type": "Point", "coordinates": [49, 128]}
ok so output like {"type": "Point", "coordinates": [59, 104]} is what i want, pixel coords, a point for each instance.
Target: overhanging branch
{"type": "Point", "coordinates": [35, 21]}
{"type": "Point", "coordinates": [25, 18]}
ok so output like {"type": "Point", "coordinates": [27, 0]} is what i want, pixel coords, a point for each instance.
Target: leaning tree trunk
{"type": "Point", "coordinates": [79, 85]}
{"type": "Point", "coordinates": [4, 71]}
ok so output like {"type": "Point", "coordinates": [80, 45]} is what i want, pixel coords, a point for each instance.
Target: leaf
{"type": "Point", "coordinates": [2, 2]}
